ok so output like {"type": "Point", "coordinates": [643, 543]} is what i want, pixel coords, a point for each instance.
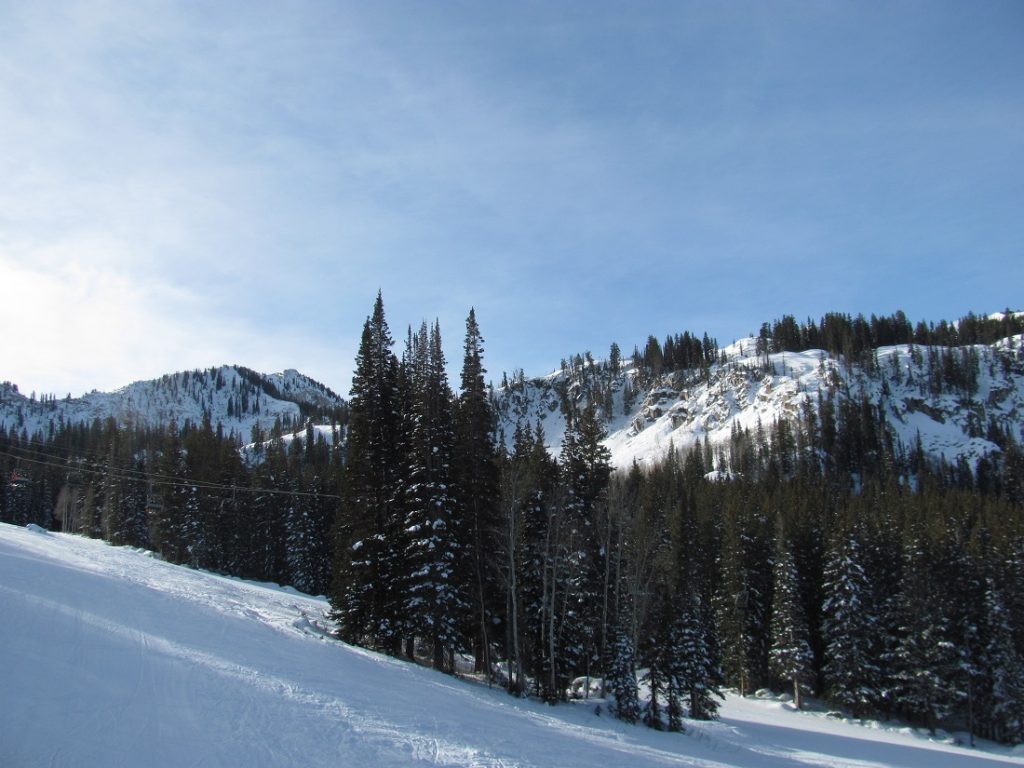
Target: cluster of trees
{"type": "Point", "coordinates": [852, 337]}
{"type": "Point", "coordinates": [815, 554]}
{"type": "Point", "coordinates": [184, 492]}
{"type": "Point", "coordinates": [448, 544]}
{"type": "Point", "coordinates": [679, 352]}
{"type": "Point", "coordinates": [850, 566]}
{"type": "Point", "coordinates": [419, 501]}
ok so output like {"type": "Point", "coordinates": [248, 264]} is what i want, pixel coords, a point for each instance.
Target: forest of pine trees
{"type": "Point", "coordinates": [829, 561]}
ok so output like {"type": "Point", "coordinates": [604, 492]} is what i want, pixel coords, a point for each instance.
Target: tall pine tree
{"type": "Point", "coordinates": [367, 594]}
{"type": "Point", "coordinates": [476, 482]}
{"type": "Point", "coordinates": [434, 601]}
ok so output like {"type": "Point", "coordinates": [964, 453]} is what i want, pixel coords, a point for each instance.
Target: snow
{"type": "Point", "coordinates": [113, 658]}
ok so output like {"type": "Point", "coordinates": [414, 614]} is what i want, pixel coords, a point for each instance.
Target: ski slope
{"type": "Point", "coordinates": [110, 657]}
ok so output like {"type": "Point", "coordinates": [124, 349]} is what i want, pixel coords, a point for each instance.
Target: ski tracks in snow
{"type": "Point", "coordinates": [381, 741]}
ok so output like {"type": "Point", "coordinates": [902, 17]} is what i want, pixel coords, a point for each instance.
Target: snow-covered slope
{"type": "Point", "coordinates": [233, 396]}
{"type": "Point", "coordinates": [680, 409]}
{"type": "Point", "coordinates": [113, 658]}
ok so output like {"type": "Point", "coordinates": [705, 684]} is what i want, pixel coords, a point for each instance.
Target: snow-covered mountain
{"type": "Point", "coordinates": [112, 657]}
{"type": "Point", "coordinates": [647, 416]}
{"type": "Point", "coordinates": [235, 397]}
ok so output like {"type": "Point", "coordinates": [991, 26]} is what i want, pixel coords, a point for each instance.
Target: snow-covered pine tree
{"type": "Point", "coordinates": [586, 471]}
{"type": "Point", "coordinates": [693, 664]}
{"type": "Point", "coordinates": [202, 520]}
{"type": "Point", "coordinates": [475, 472]}
{"type": "Point", "coordinates": [930, 658]}
{"type": "Point", "coordinates": [742, 592]}
{"type": "Point", "coordinates": [302, 536]}
{"type": "Point", "coordinates": [540, 561]}
{"type": "Point", "coordinates": [166, 528]}
{"type": "Point", "coordinates": [620, 683]}
{"type": "Point", "coordinates": [18, 498]}
{"type": "Point", "coordinates": [848, 626]}
{"type": "Point", "coordinates": [435, 602]}
{"type": "Point", "coordinates": [113, 507]}
{"type": "Point", "coordinates": [1004, 670]}
{"type": "Point", "coordinates": [789, 657]}
{"type": "Point", "coordinates": [369, 544]}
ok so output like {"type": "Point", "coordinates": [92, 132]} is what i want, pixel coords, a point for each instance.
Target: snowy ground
{"type": "Point", "coordinates": [109, 658]}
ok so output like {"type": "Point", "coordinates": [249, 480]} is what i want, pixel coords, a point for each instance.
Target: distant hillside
{"type": "Point", "coordinates": [235, 397]}
{"type": "Point", "coordinates": [961, 402]}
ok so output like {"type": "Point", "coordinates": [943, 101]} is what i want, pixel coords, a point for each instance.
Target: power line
{"type": "Point", "coordinates": [168, 480]}
{"type": "Point", "coordinates": [105, 455]}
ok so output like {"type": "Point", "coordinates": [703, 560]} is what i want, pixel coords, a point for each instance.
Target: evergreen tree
{"type": "Point", "coordinates": [367, 596]}
{"type": "Point", "coordinates": [90, 517]}
{"type": "Point", "coordinates": [790, 657]}
{"type": "Point", "coordinates": [531, 493]}
{"type": "Point", "coordinates": [434, 602]}
{"type": "Point", "coordinates": [693, 663]}
{"type": "Point", "coordinates": [693, 669]}
{"type": "Point", "coordinates": [166, 526]}
{"type": "Point", "coordinates": [18, 498]}
{"type": "Point", "coordinates": [851, 671]}
{"type": "Point", "coordinates": [586, 470]}
{"type": "Point", "coordinates": [621, 682]}
{"type": "Point", "coordinates": [1004, 667]}
{"type": "Point", "coordinates": [475, 473]}
{"type": "Point", "coordinates": [743, 591]}
{"type": "Point", "coordinates": [930, 660]}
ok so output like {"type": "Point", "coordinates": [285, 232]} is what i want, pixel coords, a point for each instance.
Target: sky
{"type": "Point", "coordinates": [186, 184]}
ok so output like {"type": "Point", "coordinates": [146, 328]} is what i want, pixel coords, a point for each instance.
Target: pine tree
{"type": "Point", "coordinates": [17, 499]}
{"type": "Point", "coordinates": [166, 527]}
{"type": "Point", "coordinates": [930, 659]}
{"type": "Point", "coordinates": [1004, 667]}
{"type": "Point", "coordinates": [367, 595]}
{"type": "Point", "coordinates": [621, 682]}
{"type": "Point", "coordinates": [790, 657]}
{"type": "Point", "coordinates": [113, 508]}
{"type": "Point", "coordinates": [531, 492]}
{"type": "Point", "coordinates": [849, 624]}
{"type": "Point", "coordinates": [434, 602]}
{"type": "Point", "coordinates": [693, 663]}
{"type": "Point", "coordinates": [90, 518]}
{"type": "Point", "coordinates": [476, 489]}
{"type": "Point", "coordinates": [586, 471]}
{"type": "Point", "coordinates": [693, 666]}
{"type": "Point", "coordinates": [743, 589]}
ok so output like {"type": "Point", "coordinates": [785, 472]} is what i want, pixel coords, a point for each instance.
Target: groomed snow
{"type": "Point", "coordinates": [113, 658]}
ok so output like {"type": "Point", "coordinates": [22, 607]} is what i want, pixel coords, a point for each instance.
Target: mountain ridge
{"type": "Point", "coordinates": [966, 414]}
{"type": "Point", "coordinates": [958, 403]}
{"type": "Point", "coordinates": [240, 399]}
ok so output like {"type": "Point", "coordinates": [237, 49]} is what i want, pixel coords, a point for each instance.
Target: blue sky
{"type": "Point", "coordinates": [185, 184]}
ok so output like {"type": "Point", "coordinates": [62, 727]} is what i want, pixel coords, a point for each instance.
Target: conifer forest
{"type": "Point", "coordinates": [818, 553]}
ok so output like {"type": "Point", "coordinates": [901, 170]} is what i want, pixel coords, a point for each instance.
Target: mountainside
{"type": "Point", "coordinates": [115, 658]}
{"type": "Point", "coordinates": [236, 397]}
{"type": "Point", "coordinates": [960, 401]}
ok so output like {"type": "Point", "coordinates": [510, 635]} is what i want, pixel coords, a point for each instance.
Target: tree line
{"type": "Point", "coordinates": [184, 492]}
{"type": "Point", "coordinates": [842, 334]}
